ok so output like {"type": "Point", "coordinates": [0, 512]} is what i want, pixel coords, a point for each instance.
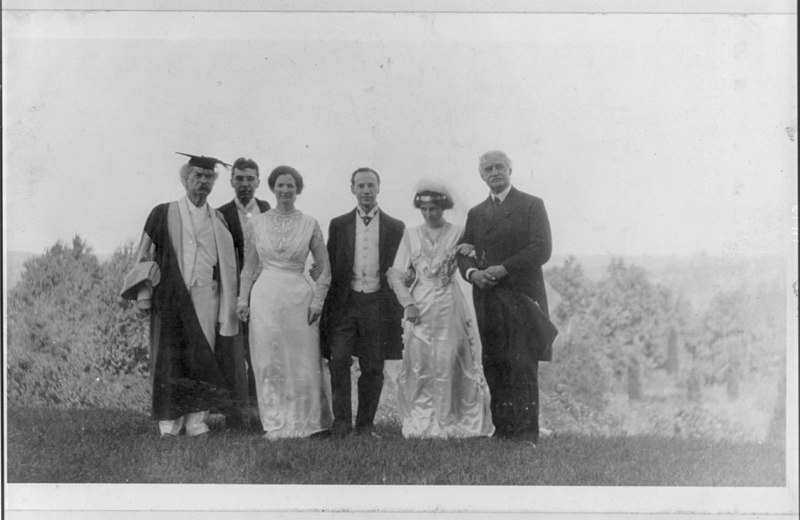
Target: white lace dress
{"type": "Point", "coordinates": [441, 391]}
{"type": "Point", "coordinates": [292, 378]}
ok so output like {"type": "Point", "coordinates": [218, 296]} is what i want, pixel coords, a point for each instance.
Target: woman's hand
{"type": "Point", "coordinates": [314, 313]}
{"type": "Point", "coordinates": [243, 311]}
{"type": "Point", "coordinates": [411, 313]}
{"type": "Point", "coordinates": [466, 250]}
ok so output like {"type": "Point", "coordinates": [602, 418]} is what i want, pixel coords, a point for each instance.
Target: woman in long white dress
{"type": "Point", "coordinates": [292, 380]}
{"type": "Point", "coordinates": [441, 391]}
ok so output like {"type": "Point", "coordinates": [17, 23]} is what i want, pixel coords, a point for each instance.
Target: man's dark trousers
{"type": "Point", "coordinates": [356, 333]}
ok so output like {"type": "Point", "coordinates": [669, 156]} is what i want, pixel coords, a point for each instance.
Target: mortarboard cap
{"type": "Point", "coordinates": [202, 161]}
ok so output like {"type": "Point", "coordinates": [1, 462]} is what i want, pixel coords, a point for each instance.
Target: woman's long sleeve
{"type": "Point", "coordinates": [320, 254]}
{"type": "Point", "coordinates": [396, 274]}
{"type": "Point", "coordinates": [252, 267]}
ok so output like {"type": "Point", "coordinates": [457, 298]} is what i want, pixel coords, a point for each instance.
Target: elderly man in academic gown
{"type": "Point", "coordinates": [185, 278]}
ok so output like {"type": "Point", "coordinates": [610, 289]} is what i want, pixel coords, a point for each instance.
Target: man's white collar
{"type": "Point", "coordinates": [250, 205]}
{"type": "Point", "coordinates": [373, 212]}
{"type": "Point", "coordinates": [192, 207]}
{"type": "Point", "coordinates": [502, 195]}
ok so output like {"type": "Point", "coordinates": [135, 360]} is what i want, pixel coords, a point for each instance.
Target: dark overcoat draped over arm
{"type": "Point", "coordinates": [185, 374]}
{"type": "Point", "coordinates": [518, 237]}
{"type": "Point", "coordinates": [341, 249]}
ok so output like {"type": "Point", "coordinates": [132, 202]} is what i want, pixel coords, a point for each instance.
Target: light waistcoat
{"type": "Point", "coordinates": [198, 243]}
{"type": "Point", "coordinates": [366, 261]}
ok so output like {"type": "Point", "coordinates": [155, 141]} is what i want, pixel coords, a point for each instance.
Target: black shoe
{"type": "Point", "coordinates": [502, 434]}
{"type": "Point", "coordinates": [368, 431]}
{"type": "Point", "coordinates": [324, 434]}
{"type": "Point", "coordinates": [527, 438]}
{"type": "Point", "coordinates": [340, 431]}
{"type": "Point", "coordinates": [236, 423]}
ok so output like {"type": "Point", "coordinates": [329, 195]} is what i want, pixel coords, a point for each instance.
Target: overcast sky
{"type": "Point", "coordinates": [664, 134]}
{"type": "Point", "coordinates": [643, 133]}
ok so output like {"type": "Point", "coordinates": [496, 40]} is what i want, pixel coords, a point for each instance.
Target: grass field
{"type": "Point", "coordinates": [113, 446]}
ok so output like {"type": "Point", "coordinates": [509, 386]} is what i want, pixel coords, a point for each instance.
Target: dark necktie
{"type": "Point", "coordinates": [367, 219]}
{"type": "Point", "coordinates": [495, 206]}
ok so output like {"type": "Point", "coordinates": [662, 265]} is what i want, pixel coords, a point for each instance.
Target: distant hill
{"type": "Point", "coordinates": [699, 277]}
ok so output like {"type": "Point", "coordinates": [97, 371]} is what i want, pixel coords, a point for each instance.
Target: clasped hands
{"type": "Point", "coordinates": [488, 277]}
{"type": "Point", "coordinates": [483, 278]}
{"type": "Point", "coordinates": [243, 312]}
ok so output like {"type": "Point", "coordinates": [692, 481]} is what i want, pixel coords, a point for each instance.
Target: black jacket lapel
{"type": "Point", "coordinates": [350, 234]}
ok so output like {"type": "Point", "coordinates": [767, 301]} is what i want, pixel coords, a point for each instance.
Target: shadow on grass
{"type": "Point", "coordinates": [115, 446]}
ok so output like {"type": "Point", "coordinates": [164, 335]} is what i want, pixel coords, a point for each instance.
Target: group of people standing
{"type": "Point", "coordinates": [234, 320]}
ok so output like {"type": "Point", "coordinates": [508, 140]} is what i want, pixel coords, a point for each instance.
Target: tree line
{"type": "Point", "coordinates": [73, 342]}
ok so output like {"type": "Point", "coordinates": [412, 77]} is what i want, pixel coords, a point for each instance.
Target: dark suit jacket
{"type": "Point", "coordinates": [341, 250]}
{"type": "Point", "coordinates": [231, 214]}
{"type": "Point", "coordinates": [518, 237]}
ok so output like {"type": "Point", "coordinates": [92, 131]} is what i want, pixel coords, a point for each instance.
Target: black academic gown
{"type": "Point", "coordinates": [186, 377]}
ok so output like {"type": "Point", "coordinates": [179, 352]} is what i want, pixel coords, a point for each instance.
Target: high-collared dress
{"type": "Point", "coordinates": [292, 379]}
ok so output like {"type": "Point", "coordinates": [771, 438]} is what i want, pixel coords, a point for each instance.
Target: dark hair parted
{"type": "Point", "coordinates": [440, 199]}
{"type": "Point", "coordinates": [242, 164]}
{"type": "Point", "coordinates": [362, 170]}
{"type": "Point", "coordinates": [285, 170]}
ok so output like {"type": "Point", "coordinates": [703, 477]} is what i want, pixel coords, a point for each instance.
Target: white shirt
{"type": "Point", "coordinates": [502, 195]}
{"type": "Point", "coordinates": [366, 261]}
{"type": "Point", "coordinates": [199, 245]}
{"type": "Point", "coordinates": [246, 212]}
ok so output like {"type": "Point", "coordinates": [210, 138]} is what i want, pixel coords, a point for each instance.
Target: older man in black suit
{"type": "Point", "coordinates": [510, 232]}
{"type": "Point", "coordinates": [235, 359]}
{"type": "Point", "coordinates": [361, 315]}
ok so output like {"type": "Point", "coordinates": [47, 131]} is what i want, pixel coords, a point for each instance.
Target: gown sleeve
{"type": "Point", "coordinates": [252, 267]}
{"type": "Point", "coordinates": [320, 254]}
{"type": "Point", "coordinates": [397, 273]}
{"type": "Point", "coordinates": [145, 274]}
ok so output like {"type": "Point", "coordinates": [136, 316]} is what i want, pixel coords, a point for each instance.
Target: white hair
{"type": "Point", "coordinates": [494, 153]}
{"type": "Point", "coordinates": [187, 169]}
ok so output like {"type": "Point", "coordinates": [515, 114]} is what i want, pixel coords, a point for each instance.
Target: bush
{"type": "Point", "coordinates": [72, 342]}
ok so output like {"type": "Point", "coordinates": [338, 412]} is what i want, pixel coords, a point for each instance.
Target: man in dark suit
{"type": "Point", "coordinates": [511, 235]}
{"type": "Point", "coordinates": [361, 316]}
{"type": "Point", "coordinates": [235, 360]}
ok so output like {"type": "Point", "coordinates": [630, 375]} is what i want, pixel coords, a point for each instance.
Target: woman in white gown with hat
{"type": "Point", "coordinates": [441, 389]}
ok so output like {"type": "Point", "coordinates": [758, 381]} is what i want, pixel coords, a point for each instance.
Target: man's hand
{"type": "Point", "coordinates": [496, 271]}
{"type": "Point", "coordinates": [466, 250]}
{"type": "Point", "coordinates": [482, 279]}
{"type": "Point", "coordinates": [411, 313]}
{"type": "Point", "coordinates": [315, 271]}
{"type": "Point", "coordinates": [243, 311]}
{"type": "Point", "coordinates": [409, 277]}
{"type": "Point", "coordinates": [143, 306]}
